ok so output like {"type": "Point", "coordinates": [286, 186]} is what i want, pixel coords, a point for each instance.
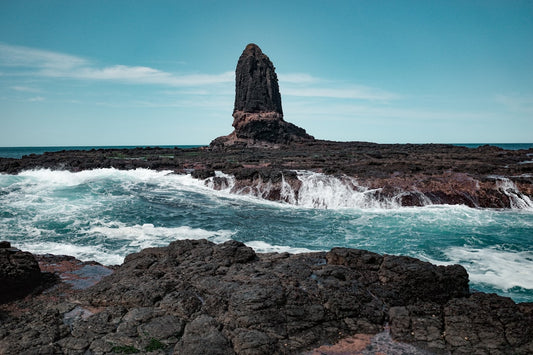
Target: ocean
{"type": "Point", "coordinates": [105, 214]}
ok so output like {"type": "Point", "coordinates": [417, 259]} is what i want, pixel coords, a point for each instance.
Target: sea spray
{"type": "Point", "coordinates": [517, 199]}
{"type": "Point", "coordinates": [313, 190]}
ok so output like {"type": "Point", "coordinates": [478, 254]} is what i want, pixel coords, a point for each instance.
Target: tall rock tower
{"type": "Point", "coordinates": [257, 114]}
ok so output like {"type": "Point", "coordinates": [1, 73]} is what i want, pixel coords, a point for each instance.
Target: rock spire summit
{"type": "Point", "coordinates": [257, 114]}
{"type": "Point", "coordinates": [256, 83]}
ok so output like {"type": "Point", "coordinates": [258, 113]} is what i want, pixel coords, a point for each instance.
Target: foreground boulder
{"type": "Point", "coordinates": [196, 297]}
{"type": "Point", "coordinates": [19, 273]}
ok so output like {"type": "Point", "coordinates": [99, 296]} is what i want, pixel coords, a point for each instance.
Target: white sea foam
{"type": "Point", "coordinates": [492, 266]}
{"type": "Point", "coordinates": [46, 178]}
{"type": "Point", "coordinates": [147, 235]}
{"type": "Point", "coordinates": [263, 247]}
{"type": "Point", "coordinates": [326, 191]}
{"type": "Point", "coordinates": [518, 200]}
{"type": "Point", "coordinates": [96, 253]}
{"type": "Point", "coordinates": [229, 181]}
{"type": "Point", "coordinates": [316, 190]}
{"type": "Point", "coordinates": [105, 214]}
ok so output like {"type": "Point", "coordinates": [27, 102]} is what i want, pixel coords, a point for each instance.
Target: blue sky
{"type": "Point", "coordinates": [162, 72]}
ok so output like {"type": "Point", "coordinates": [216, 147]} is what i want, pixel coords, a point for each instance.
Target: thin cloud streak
{"type": "Point", "coordinates": [298, 78]}
{"type": "Point", "coordinates": [19, 56]}
{"type": "Point", "coordinates": [516, 103]}
{"type": "Point", "coordinates": [354, 111]}
{"type": "Point", "coordinates": [58, 65]}
{"type": "Point", "coordinates": [36, 99]}
{"type": "Point", "coordinates": [356, 93]}
{"type": "Point", "coordinates": [25, 89]}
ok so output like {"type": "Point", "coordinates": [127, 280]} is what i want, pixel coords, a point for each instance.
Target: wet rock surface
{"type": "Point", "coordinates": [195, 297]}
{"type": "Point", "coordinates": [412, 175]}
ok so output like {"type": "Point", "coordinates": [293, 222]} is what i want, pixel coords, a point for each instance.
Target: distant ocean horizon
{"type": "Point", "coordinates": [19, 152]}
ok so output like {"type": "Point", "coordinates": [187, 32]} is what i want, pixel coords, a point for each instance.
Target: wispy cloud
{"type": "Point", "coordinates": [356, 93]}
{"type": "Point", "coordinates": [59, 65]}
{"type": "Point", "coordinates": [516, 103]}
{"type": "Point", "coordinates": [306, 85]}
{"type": "Point", "coordinates": [20, 60]}
{"type": "Point", "coordinates": [19, 56]}
{"type": "Point", "coordinates": [389, 113]}
{"type": "Point", "coordinates": [36, 99]}
{"type": "Point", "coordinates": [25, 89]}
{"type": "Point", "coordinates": [297, 78]}
{"type": "Point", "coordinates": [146, 75]}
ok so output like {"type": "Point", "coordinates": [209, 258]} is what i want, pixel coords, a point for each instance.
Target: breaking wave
{"type": "Point", "coordinates": [518, 200]}
{"type": "Point", "coordinates": [315, 190]}
{"type": "Point", "coordinates": [493, 267]}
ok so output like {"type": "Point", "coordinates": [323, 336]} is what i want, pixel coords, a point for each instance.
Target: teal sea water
{"type": "Point", "coordinates": [105, 214]}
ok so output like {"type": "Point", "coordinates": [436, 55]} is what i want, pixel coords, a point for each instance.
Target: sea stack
{"type": "Point", "coordinates": [257, 114]}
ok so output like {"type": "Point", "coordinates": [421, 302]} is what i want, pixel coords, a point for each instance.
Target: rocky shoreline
{"type": "Point", "coordinates": [409, 174]}
{"type": "Point", "coordinates": [196, 297]}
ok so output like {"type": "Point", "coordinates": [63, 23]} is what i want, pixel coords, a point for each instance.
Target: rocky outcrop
{"type": "Point", "coordinates": [19, 273]}
{"type": "Point", "coordinates": [256, 83]}
{"type": "Point", "coordinates": [257, 114]}
{"type": "Point", "coordinates": [195, 297]}
{"type": "Point", "coordinates": [407, 174]}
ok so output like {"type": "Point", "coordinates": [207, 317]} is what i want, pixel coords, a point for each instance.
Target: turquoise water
{"type": "Point", "coordinates": [105, 214]}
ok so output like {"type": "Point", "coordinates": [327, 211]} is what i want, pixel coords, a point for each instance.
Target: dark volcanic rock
{"type": "Point", "coordinates": [257, 114]}
{"type": "Point", "coordinates": [256, 83]}
{"type": "Point", "coordinates": [19, 273]}
{"type": "Point", "coordinates": [196, 297]}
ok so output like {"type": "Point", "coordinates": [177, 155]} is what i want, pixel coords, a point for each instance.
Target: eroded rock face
{"type": "Point", "coordinates": [257, 114]}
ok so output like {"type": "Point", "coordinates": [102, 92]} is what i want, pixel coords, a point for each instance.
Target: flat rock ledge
{"type": "Point", "coordinates": [196, 297]}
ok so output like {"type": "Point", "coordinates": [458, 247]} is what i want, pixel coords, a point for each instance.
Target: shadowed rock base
{"type": "Point", "coordinates": [266, 129]}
